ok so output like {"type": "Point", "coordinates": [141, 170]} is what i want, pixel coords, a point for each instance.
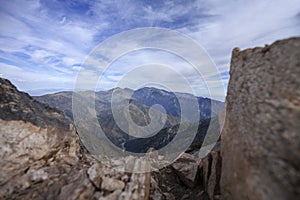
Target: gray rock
{"type": "Point", "coordinates": [187, 169]}
{"type": "Point", "coordinates": [95, 173]}
{"type": "Point", "coordinates": [212, 174]}
{"type": "Point", "coordinates": [112, 184]}
{"type": "Point", "coordinates": [260, 139]}
{"type": "Point", "coordinates": [180, 180]}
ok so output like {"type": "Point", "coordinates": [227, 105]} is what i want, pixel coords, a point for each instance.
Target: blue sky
{"type": "Point", "coordinates": [44, 43]}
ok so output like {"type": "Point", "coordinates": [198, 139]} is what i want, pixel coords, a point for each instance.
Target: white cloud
{"type": "Point", "coordinates": [29, 80]}
{"type": "Point", "coordinates": [246, 24]}
{"type": "Point", "coordinates": [57, 39]}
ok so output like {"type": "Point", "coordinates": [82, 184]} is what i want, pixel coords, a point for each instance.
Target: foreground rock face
{"type": "Point", "coordinates": [260, 138]}
{"type": "Point", "coordinates": [41, 158]}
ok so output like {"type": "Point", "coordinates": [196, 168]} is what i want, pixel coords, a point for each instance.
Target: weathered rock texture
{"type": "Point", "coordinates": [41, 158]}
{"type": "Point", "coordinates": [211, 174]}
{"type": "Point", "coordinates": [180, 180]}
{"type": "Point", "coordinates": [260, 139]}
{"type": "Point", "coordinates": [189, 178]}
{"type": "Point", "coordinates": [187, 168]}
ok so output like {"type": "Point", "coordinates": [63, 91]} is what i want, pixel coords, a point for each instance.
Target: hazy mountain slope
{"type": "Point", "coordinates": [142, 98]}
{"type": "Point", "coordinates": [171, 102]}
{"type": "Point", "coordinates": [138, 112]}
{"type": "Point", "coordinates": [140, 103]}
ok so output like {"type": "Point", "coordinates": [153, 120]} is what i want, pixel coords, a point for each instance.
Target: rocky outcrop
{"type": "Point", "coordinates": [260, 139]}
{"type": "Point", "coordinates": [187, 167]}
{"type": "Point", "coordinates": [189, 177]}
{"type": "Point", "coordinates": [41, 158]}
{"type": "Point", "coordinates": [211, 174]}
{"type": "Point", "coordinates": [180, 180]}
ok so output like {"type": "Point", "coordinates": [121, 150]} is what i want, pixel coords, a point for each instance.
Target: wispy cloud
{"type": "Point", "coordinates": [47, 41]}
{"type": "Point", "coordinates": [246, 24]}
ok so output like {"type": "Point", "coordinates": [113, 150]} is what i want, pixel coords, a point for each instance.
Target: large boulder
{"type": "Point", "coordinates": [260, 139]}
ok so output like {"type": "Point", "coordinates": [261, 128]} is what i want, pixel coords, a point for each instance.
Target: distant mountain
{"type": "Point", "coordinates": [39, 92]}
{"type": "Point", "coordinates": [143, 97]}
{"type": "Point", "coordinates": [140, 102]}
{"type": "Point", "coordinates": [61, 101]}
{"type": "Point", "coordinates": [171, 102]}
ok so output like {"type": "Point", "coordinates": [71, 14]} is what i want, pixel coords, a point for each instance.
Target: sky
{"type": "Point", "coordinates": [43, 44]}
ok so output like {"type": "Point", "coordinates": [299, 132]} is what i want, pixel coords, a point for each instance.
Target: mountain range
{"type": "Point", "coordinates": [140, 101]}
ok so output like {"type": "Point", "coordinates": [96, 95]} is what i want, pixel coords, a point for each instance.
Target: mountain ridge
{"type": "Point", "coordinates": [140, 102]}
{"type": "Point", "coordinates": [138, 95]}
